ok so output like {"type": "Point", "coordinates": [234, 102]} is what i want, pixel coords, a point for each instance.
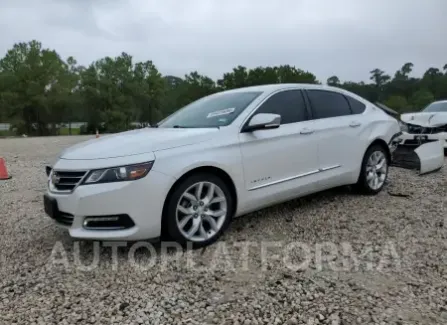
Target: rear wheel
{"type": "Point", "coordinates": [374, 170]}
{"type": "Point", "coordinates": [199, 210]}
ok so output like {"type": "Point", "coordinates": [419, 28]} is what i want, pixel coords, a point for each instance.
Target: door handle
{"type": "Point", "coordinates": [306, 131]}
{"type": "Point", "coordinates": [355, 124]}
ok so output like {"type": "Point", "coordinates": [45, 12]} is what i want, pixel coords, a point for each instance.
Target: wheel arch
{"type": "Point", "coordinates": [383, 144]}
{"type": "Point", "coordinates": [380, 142]}
{"type": "Point", "coordinates": [222, 174]}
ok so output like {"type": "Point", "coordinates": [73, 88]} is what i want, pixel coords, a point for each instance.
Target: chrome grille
{"type": "Point", "coordinates": [65, 181]}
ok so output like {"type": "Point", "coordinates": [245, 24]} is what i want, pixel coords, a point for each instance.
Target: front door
{"type": "Point", "coordinates": [280, 163]}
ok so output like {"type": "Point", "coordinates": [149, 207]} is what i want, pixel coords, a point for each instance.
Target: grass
{"type": "Point", "coordinates": [65, 131]}
{"type": "Point", "coordinates": [62, 131]}
{"type": "Point", "coordinates": [6, 133]}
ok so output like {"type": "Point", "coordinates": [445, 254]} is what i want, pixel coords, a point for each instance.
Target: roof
{"type": "Point", "coordinates": [270, 88]}
{"type": "Point", "coordinates": [274, 87]}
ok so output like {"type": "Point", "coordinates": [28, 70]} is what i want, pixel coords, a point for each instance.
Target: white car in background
{"type": "Point", "coordinates": [430, 124]}
{"type": "Point", "coordinates": [220, 157]}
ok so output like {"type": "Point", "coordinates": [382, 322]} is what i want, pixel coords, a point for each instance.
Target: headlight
{"type": "Point", "coordinates": [118, 174]}
{"type": "Point", "coordinates": [403, 126]}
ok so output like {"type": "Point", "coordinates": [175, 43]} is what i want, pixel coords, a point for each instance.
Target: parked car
{"type": "Point", "coordinates": [414, 152]}
{"type": "Point", "coordinates": [220, 157]}
{"type": "Point", "coordinates": [430, 124]}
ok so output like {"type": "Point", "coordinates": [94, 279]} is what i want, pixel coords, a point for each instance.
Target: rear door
{"type": "Point", "coordinates": [340, 132]}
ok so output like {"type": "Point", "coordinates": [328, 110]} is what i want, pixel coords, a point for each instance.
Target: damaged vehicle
{"type": "Point", "coordinates": [218, 158]}
{"type": "Point", "coordinates": [423, 142]}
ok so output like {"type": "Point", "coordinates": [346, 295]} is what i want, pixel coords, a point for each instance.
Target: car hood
{"type": "Point", "coordinates": [136, 142]}
{"type": "Point", "coordinates": [433, 119]}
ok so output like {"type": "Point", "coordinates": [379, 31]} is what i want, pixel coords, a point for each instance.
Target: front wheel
{"type": "Point", "coordinates": [199, 210]}
{"type": "Point", "coordinates": [374, 170]}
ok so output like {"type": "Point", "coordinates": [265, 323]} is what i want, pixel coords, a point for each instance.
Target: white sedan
{"type": "Point", "coordinates": [220, 157]}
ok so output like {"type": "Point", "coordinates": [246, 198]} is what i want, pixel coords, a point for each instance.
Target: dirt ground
{"type": "Point", "coordinates": [331, 258]}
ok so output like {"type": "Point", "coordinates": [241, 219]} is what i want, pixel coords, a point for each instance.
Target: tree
{"type": "Point", "coordinates": [421, 98]}
{"type": "Point", "coordinates": [404, 72]}
{"type": "Point", "coordinates": [243, 77]}
{"type": "Point", "coordinates": [36, 81]}
{"type": "Point", "coordinates": [398, 103]}
{"type": "Point", "coordinates": [117, 91]}
{"type": "Point", "coordinates": [40, 91]}
{"type": "Point", "coordinates": [380, 79]}
{"type": "Point", "coordinates": [333, 81]}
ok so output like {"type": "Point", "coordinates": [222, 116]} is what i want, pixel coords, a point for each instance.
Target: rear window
{"type": "Point", "coordinates": [356, 106]}
{"type": "Point", "coordinates": [326, 104]}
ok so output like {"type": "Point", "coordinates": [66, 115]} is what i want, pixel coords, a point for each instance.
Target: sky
{"type": "Point", "coordinates": [347, 38]}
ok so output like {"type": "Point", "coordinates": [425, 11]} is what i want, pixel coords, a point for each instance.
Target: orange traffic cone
{"type": "Point", "coordinates": [97, 133]}
{"type": "Point", "coordinates": [3, 170]}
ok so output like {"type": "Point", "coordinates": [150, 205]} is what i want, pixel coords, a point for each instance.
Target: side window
{"type": "Point", "coordinates": [356, 106]}
{"type": "Point", "coordinates": [328, 104]}
{"type": "Point", "coordinates": [289, 104]}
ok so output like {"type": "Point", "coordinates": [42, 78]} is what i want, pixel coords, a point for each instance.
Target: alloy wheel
{"type": "Point", "coordinates": [376, 170]}
{"type": "Point", "coordinates": [201, 211]}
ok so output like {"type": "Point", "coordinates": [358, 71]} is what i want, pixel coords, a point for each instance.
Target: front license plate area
{"type": "Point", "coordinates": [50, 206]}
{"type": "Point", "coordinates": [421, 138]}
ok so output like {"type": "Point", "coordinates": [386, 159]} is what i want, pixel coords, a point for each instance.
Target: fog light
{"type": "Point", "coordinates": [116, 222]}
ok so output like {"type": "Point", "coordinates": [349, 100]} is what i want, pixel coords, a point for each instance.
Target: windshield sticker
{"type": "Point", "coordinates": [221, 112]}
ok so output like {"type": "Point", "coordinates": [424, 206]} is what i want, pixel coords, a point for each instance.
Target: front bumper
{"type": "Point", "coordinates": [416, 140]}
{"type": "Point", "coordinates": [141, 200]}
{"type": "Point", "coordinates": [424, 154]}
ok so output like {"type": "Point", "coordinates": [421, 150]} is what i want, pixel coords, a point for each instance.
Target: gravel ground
{"type": "Point", "coordinates": [340, 259]}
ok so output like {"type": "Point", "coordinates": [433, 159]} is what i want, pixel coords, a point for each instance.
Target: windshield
{"type": "Point", "coordinates": [215, 110]}
{"type": "Point", "coordinates": [436, 107]}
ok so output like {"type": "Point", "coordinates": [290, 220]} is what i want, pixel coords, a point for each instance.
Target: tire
{"type": "Point", "coordinates": [192, 214]}
{"type": "Point", "coordinates": [364, 183]}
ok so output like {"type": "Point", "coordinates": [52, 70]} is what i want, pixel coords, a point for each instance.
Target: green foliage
{"type": "Point", "coordinates": [67, 131]}
{"type": "Point", "coordinates": [397, 102]}
{"type": "Point", "coordinates": [421, 98]}
{"type": "Point", "coordinates": [39, 90]}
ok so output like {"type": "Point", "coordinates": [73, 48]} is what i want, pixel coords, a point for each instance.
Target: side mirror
{"type": "Point", "coordinates": [263, 121]}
